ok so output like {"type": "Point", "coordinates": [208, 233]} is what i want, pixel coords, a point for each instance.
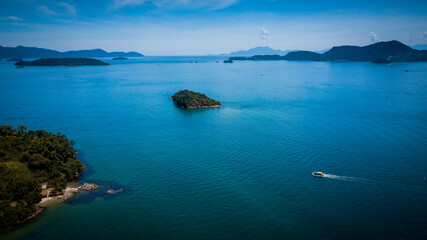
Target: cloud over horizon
{"type": "Point", "coordinates": [264, 34]}
{"type": "Point", "coordinates": [374, 37]}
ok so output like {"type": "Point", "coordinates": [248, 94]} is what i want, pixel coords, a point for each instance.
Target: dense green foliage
{"type": "Point", "coordinates": [190, 99]}
{"type": "Point", "coordinates": [26, 160]}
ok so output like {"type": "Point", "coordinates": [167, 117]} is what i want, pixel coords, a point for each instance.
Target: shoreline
{"type": "Point", "coordinates": [214, 106]}
{"type": "Point", "coordinates": [68, 193]}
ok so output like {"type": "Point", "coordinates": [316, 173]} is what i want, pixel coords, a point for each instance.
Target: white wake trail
{"type": "Point", "coordinates": [341, 177]}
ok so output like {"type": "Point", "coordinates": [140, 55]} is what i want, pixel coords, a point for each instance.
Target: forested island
{"type": "Point", "coordinates": [28, 160]}
{"type": "Point", "coordinates": [62, 62]}
{"type": "Point", "coordinates": [120, 58]}
{"type": "Point", "coordinates": [384, 52]}
{"type": "Point", "coordinates": [190, 99]}
{"type": "Point", "coordinates": [34, 52]}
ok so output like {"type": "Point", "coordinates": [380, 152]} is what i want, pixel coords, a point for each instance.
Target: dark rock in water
{"type": "Point", "coordinates": [381, 61]}
{"type": "Point", "coordinates": [228, 61]}
{"type": "Point", "coordinates": [114, 191]}
{"type": "Point", "coordinates": [14, 60]}
{"type": "Point", "coordinates": [189, 99]}
{"type": "Point", "coordinates": [120, 58]}
{"type": "Point", "coordinates": [62, 62]}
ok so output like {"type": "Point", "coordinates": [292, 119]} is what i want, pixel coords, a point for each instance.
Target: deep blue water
{"type": "Point", "coordinates": [239, 172]}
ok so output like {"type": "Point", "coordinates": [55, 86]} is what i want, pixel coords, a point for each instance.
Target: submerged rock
{"type": "Point", "coordinates": [111, 191]}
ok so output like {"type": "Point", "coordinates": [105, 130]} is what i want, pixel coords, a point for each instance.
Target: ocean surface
{"type": "Point", "coordinates": [242, 171]}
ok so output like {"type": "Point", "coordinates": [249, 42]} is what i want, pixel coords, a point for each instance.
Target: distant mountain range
{"type": "Point", "coordinates": [33, 52]}
{"type": "Point", "coordinates": [257, 51]}
{"type": "Point", "coordinates": [391, 51]}
{"type": "Point", "coordinates": [260, 51]}
{"type": "Point", "coordinates": [420, 47]}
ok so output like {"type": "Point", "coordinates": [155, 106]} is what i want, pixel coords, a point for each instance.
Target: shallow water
{"type": "Point", "coordinates": [239, 172]}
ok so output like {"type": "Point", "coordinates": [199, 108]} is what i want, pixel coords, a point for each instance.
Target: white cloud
{"type": "Point", "coordinates": [374, 37]}
{"type": "Point", "coordinates": [46, 10]}
{"type": "Point", "coordinates": [69, 9]}
{"type": "Point", "coordinates": [13, 18]}
{"type": "Point", "coordinates": [189, 4]}
{"type": "Point", "coordinates": [264, 34]}
{"type": "Point", "coordinates": [418, 38]}
{"type": "Point", "coordinates": [122, 3]}
{"type": "Point", "coordinates": [61, 8]}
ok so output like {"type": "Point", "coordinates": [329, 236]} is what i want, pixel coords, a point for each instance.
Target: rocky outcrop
{"type": "Point", "coordinates": [70, 192]}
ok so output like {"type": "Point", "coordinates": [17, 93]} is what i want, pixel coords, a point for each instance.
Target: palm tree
{"type": "Point", "coordinates": [21, 128]}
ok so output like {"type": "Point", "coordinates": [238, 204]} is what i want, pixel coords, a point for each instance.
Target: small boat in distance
{"type": "Point", "coordinates": [317, 174]}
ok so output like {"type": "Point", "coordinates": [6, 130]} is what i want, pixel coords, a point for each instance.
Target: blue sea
{"type": "Point", "coordinates": [242, 171]}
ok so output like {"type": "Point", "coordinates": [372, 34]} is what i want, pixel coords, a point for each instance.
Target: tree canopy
{"type": "Point", "coordinates": [191, 99]}
{"type": "Point", "coordinates": [28, 158]}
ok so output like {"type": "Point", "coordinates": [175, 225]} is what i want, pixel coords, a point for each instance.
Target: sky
{"type": "Point", "coordinates": [200, 27]}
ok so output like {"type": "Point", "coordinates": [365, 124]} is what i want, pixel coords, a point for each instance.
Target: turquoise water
{"type": "Point", "coordinates": [239, 172]}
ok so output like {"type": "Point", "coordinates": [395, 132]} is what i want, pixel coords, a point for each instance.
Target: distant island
{"type": "Point", "coordinates": [120, 58]}
{"type": "Point", "coordinates": [14, 59]}
{"type": "Point", "coordinates": [62, 62]}
{"type": "Point", "coordinates": [256, 51]}
{"type": "Point", "coordinates": [259, 51]}
{"type": "Point", "coordinates": [190, 99]}
{"type": "Point", "coordinates": [33, 52]}
{"type": "Point", "coordinates": [33, 164]}
{"type": "Point", "coordinates": [391, 51]}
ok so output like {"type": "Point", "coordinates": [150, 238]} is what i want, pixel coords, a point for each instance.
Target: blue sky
{"type": "Point", "coordinates": [199, 27]}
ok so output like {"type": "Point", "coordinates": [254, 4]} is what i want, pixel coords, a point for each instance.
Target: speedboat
{"type": "Point", "coordinates": [317, 174]}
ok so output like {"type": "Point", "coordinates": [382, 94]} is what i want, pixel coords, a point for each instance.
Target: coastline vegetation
{"type": "Point", "coordinates": [27, 159]}
{"type": "Point", "coordinates": [191, 99]}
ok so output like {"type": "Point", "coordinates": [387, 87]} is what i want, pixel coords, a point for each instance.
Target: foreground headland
{"type": "Point", "coordinates": [35, 166]}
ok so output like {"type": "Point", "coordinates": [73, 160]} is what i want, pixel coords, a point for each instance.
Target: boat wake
{"type": "Point", "coordinates": [341, 177]}
{"type": "Point", "coordinates": [374, 186]}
